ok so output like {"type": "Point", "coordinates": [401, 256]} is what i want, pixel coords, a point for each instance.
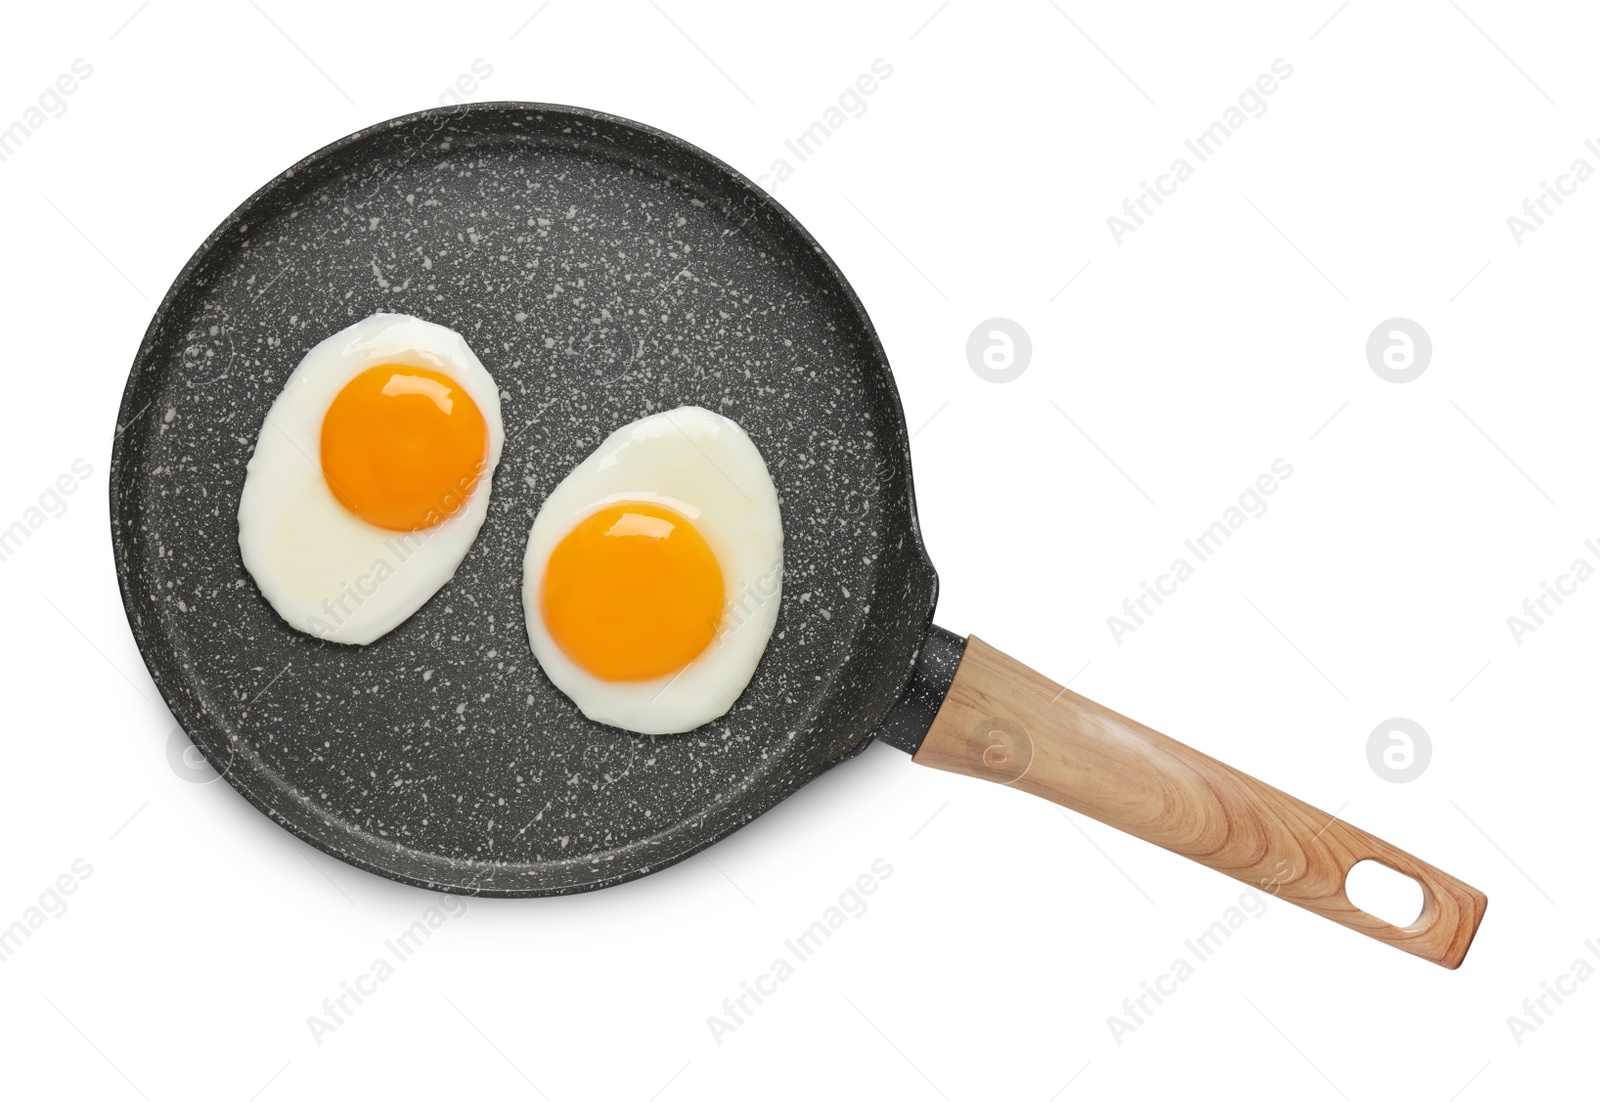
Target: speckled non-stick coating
{"type": "Point", "coordinates": [602, 271]}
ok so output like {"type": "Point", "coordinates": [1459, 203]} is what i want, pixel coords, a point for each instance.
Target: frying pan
{"type": "Point", "coordinates": [604, 270]}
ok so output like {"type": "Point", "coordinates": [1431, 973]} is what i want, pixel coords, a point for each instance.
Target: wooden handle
{"type": "Point", "coordinates": [1003, 722]}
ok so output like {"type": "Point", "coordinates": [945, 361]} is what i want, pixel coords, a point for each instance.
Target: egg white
{"type": "Point", "coordinates": [703, 466]}
{"type": "Point", "coordinates": [324, 570]}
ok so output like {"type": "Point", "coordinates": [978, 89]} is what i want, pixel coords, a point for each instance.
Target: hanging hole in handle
{"type": "Point", "coordinates": [1384, 893]}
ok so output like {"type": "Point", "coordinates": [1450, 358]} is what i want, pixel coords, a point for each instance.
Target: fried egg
{"type": "Point", "coordinates": [654, 573]}
{"type": "Point", "coordinates": [370, 477]}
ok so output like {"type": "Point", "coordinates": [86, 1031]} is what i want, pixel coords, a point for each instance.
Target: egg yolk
{"type": "Point", "coordinates": [402, 447]}
{"type": "Point", "coordinates": [632, 593]}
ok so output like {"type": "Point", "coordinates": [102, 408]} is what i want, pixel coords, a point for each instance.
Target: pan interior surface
{"type": "Point", "coordinates": [602, 271]}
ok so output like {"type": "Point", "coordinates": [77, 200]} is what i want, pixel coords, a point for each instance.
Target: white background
{"type": "Point", "coordinates": [1227, 332]}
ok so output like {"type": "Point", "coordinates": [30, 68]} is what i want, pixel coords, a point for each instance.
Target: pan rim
{"type": "Point", "coordinates": [148, 637]}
